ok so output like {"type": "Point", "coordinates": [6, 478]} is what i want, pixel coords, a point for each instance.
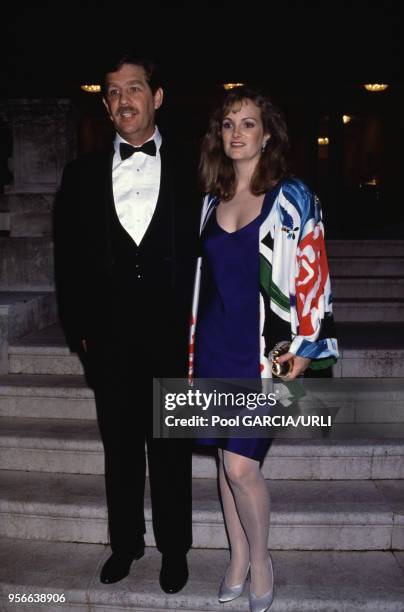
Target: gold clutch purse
{"type": "Point", "coordinates": [281, 369]}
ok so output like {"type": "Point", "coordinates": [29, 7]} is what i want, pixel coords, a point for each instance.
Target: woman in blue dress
{"type": "Point", "coordinates": [243, 170]}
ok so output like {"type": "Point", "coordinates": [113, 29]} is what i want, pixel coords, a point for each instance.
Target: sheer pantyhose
{"type": "Point", "coordinates": [245, 501]}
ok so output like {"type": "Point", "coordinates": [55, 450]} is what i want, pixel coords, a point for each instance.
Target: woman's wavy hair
{"type": "Point", "coordinates": [216, 170]}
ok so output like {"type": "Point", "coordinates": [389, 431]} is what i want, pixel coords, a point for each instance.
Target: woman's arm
{"type": "Point", "coordinates": [314, 344]}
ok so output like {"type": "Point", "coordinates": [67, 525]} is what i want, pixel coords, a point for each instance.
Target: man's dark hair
{"type": "Point", "coordinates": [150, 67]}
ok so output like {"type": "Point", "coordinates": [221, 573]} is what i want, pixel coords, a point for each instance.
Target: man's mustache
{"type": "Point", "coordinates": [125, 109]}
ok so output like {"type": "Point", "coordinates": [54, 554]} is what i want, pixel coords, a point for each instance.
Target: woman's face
{"type": "Point", "coordinates": [242, 132]}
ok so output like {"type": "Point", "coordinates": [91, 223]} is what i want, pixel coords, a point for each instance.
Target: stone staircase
{"type": "Point", "coordinates": [367, 280]}
{"type": "Point", "coordinates": [337, 516]}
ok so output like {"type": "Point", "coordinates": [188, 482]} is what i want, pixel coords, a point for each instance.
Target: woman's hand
{"type": "Point", "coordinates": [300, 364]}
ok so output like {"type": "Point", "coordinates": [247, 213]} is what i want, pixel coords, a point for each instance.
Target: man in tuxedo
{"type": "Point", "coordinates": [122, 222]}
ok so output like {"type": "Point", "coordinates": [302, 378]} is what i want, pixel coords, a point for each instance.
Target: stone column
{"type": "Point", "coordinates": [41, 137]}
{"type": "Point", "coordinates": [42, 141]}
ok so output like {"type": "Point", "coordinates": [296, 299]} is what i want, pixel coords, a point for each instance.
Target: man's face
{"type": "Point", "coordinates": [131, 104]}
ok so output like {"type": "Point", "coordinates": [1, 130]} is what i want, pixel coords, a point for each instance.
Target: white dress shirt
{"type": "Point", "coordinates": [136, 185]}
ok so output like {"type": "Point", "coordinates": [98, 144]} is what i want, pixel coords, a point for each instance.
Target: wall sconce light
{"type": "Point", "coordinates": [375, 87]}
{"type": "Point", "coordinates": [346, 119]}
{"type": "Point", "coordinates": [322, 141]}
{"type": "Point", "coordinates": [91, 88]}
{"type": "Point", "coordinates": [228, 86]}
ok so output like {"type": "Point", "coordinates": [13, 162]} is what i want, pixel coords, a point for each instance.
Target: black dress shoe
{"type": "Point", "coordinates": [117, 566]}
{"type": "Point", "coordinates": [173, 573]}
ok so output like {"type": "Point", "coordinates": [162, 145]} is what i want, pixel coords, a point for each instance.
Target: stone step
{"type": "Point", "coordinates": [305, 515]}
{"type": "Point", "coordinates": [358, 400]}
{"type": "Point", "coordinates": [369, 335]}
{"type": "Point", "coordinates": [365, 248]}
{"type": "Point", "coordinates": [304, 581]}
{"type": "Point", "coordinates": [372, 350]}
{"type": "Point", "coordinates": [20, 313]}
{"type": "Point", "coordinates": [353, 362]}
{"type": "Point", "coordinates": [370, 363]}
{"type": "Point", "coordinates": [371, 310]}
{"type": "Point", "coordinates": [46, 396]}
{"type": "Point", "coordinates": [367, 350]}
{"type": "Point", "coordinates": [368, 288]}
{"type": "Point", "coordinates": [26, 264]}
{"type": "Point", "coordinates": [74, 447]}
{"type": "Point", "coordinates": [29, 359]}
{"type": "Point", "coordinates": [44, 352]}
{"type": "Point", "coordinates": [383, 266]}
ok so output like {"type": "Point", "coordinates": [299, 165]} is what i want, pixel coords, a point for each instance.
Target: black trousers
{"type": "Point", "coordinates": [120, 372]}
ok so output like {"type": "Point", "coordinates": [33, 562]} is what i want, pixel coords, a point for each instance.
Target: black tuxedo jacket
{"type": "Point", "coordinates": [84, 253]}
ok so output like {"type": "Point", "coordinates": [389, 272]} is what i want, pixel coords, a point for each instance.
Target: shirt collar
{"type": "Point", "coordinates": [156, 137]}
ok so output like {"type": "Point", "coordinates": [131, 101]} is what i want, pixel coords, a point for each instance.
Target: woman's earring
{"type": "Point", "coordinates": [264, 145]}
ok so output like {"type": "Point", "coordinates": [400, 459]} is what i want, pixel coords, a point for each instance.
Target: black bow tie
{"type": "Point", "coordinates": [126, 150]}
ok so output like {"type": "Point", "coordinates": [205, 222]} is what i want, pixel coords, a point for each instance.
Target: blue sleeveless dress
{"type": "Point", "coordinates": [227, 329]}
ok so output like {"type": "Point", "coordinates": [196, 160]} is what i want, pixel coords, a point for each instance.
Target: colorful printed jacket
{"type": "Point", "coordinates": [295, 293]}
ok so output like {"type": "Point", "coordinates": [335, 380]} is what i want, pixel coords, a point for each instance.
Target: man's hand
{"type": "Point", "coordinates": [84, 345]}
{"type": "Point", "coordinates": [300, 364]}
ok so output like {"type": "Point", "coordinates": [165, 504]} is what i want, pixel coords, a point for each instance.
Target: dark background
{"type": "Point", "coordinates": [49, 47]}
{"type": "Point", "coordinates": [312, 56]}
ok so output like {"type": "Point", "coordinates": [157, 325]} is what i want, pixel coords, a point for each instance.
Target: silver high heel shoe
{"type": "Point", "coordinates": [263, 603]}
{"type": "Point", "coordinates": [228, 593]}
